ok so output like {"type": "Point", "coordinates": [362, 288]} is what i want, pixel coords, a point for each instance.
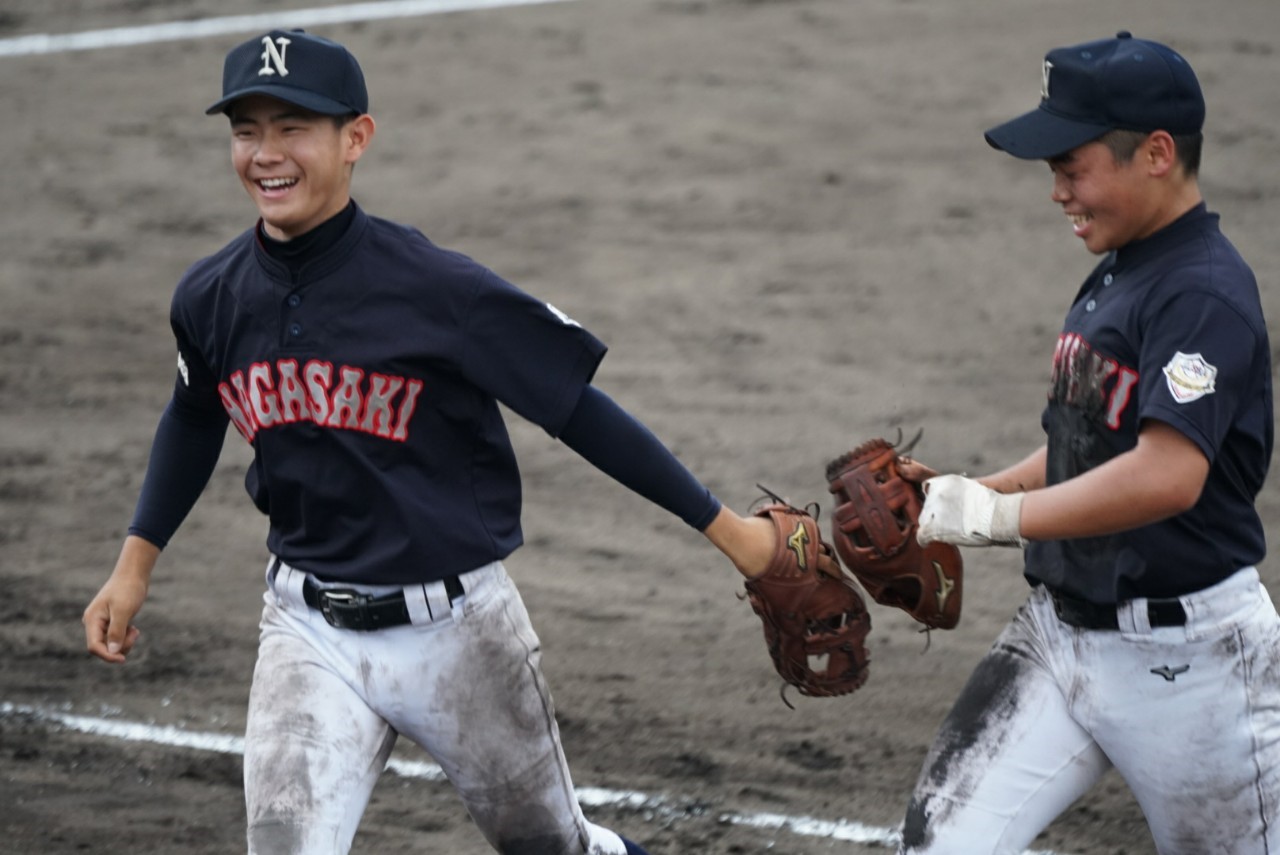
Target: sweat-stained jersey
{"type": "Point", "coordinates": [1167, 328]}
{"type": "Point", "coordinates": [368, 386]}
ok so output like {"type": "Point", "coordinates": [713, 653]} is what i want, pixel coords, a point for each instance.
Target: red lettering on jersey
{"type": "Point", "coordinates": [377, 404]}
{"type": "Point", "coordinates": [346, 399]}
{"type": "Point", "coordinates": [293, 395]}
{"type": "Point", "coordinates": [317, 376]}
{"type": "Point", "coordinates": [1057, 360]}
{"type": "Point", "coordinates": [1071, 356]}
{"type": "Point", "coordinates": [1120, 396]}
{"type": "Point", "coordinates": [407, 406]}
{"type": "Point", "coordinates": [262, 395]}
{"type": "Point", "coordinates": [281, 394]}
{"type": "Point", "coordinates": [242, 398]}
{"type": "Point", "coordinates": [1086, 379]}
{"type": "Point", "coordinates": [239, 418]}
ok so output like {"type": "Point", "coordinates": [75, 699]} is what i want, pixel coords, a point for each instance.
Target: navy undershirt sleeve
{"type": "Point", "coordinates": [185, 450]}
{"type": "Point", "coordinates": [609, 438]}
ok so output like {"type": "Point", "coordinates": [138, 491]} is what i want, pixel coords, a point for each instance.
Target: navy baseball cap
{"type": "Point", "coordinates": [297, 67]}
{"type": "Point", "coordinates": [1112, 84]}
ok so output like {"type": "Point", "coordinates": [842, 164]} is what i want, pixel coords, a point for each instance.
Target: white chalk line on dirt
{"type": "Point", "coordinates": [42, 43]}
{"type": "Point", "coordinates": [660, 807]}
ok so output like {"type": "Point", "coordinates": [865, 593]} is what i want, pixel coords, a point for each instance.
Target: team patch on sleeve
{"type": "Point", "coordinates": [1189, 377]}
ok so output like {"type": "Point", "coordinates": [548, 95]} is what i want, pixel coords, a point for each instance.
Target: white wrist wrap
{"type": "Point", "coordinates": [1006, 519]}
{"type": "Point", "coordinates": [959, 510]}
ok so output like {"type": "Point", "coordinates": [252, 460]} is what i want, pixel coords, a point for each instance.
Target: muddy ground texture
{"type": "Point", "coordinates": [781, 217]}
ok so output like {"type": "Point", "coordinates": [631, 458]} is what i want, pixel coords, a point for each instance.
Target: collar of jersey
{"type": "Point", "coordinates": [324, 263]}
{"type": "Point", "coordinates": [1140, 251]}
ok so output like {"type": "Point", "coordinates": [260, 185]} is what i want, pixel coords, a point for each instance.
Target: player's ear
{"type": "Point", "coordinates": [357, 134]}
{"type": "Point", "coordinates": [1159, 153]}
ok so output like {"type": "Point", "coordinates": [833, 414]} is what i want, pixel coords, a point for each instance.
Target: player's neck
{"type": "Point", "coordinates": [297, 251]}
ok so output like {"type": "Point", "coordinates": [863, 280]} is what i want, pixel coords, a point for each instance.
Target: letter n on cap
{"type": "Point", "coordinates": [274, 56]}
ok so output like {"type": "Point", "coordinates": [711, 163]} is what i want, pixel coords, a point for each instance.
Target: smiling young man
{"type": "Point", "coordinates": [295, 164]}
{"type": "Point", "coordinates": [1148, 642]}
{"type": "Point", "coordinates": [365, 366]}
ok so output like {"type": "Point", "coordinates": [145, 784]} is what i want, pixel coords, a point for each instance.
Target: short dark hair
{"type": "Point", "coordinates": [1123, 145]}
{"type": "Point", "coordinates": [340, 121]}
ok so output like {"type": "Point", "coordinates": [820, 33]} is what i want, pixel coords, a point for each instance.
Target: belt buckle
{"type": "Point", "coordinates": [345, 601]}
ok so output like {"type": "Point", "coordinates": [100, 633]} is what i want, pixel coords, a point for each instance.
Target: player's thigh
{"type": "Point", "coordinates": [313, 748]}
{"type": "Point", "coordinates": [1006, 761]}
{"type": "Point", "coordinates": [1194, 729]}
{"type": "Point", "coordinates": [485, 714]}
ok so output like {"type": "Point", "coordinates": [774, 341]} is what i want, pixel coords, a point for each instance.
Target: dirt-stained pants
{"type": "Point", "coordinates": [1189, 716]}
{"type": "Point", "coordinates": [463, 681]}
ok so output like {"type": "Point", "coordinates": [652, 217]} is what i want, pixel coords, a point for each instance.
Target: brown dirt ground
{"type": "Point", "coordinates": [784, 221]}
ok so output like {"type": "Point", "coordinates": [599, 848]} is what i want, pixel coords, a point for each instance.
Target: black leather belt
{"type": "Point", "coordinates": [1087, 615]}
{"type": "Point", "coordinates": [347, 609]}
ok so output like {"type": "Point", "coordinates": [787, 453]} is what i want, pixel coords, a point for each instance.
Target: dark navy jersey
{"type": "Point", "coordinates": [368, 385]}
{"type": "Point", "coordinates": [1167, 328]}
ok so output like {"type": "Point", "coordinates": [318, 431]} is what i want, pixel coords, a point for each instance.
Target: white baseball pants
{"type": "Point", "coordinates": [1189, 716]}
{"type": "Point", "coordinates": [327, 704]}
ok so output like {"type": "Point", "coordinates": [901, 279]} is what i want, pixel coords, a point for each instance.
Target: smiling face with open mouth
{"type": "Point", "coordinates": [295, 164]}
{"type": "Point", "coordinates": [1109, 203]}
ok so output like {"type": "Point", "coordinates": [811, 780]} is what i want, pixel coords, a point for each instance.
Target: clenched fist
{"type": "Point", "coordinates": [961, 511]}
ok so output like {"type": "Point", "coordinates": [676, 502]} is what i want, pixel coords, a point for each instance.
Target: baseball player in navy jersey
{"type": "Point", "coordinates": [1148, 643]}
{"type": "Point", "coordinates": [365, 365]}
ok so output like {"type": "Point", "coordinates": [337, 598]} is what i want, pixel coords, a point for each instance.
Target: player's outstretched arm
{"type": "Point", "coordinates": [109, 632]}
{"type": "Point", "coordinates": [1025, 475]}
{"type": "Point", "coordinates": [623, 448]}
{"type": "Point", "coordinates": [749, 542]}
{"type": "Point", "coordinates": [1162, 476]}
{"type": "Point", "coordinates": [1022, 477]}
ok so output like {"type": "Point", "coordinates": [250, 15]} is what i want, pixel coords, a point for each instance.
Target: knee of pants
{"type": "Point", "coordinates": [282, 837]}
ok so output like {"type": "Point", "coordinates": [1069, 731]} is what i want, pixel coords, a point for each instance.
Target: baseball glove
{"type": "Point", "coordinates": [815, 621]}
{"type": "Point", "coordinates": [873, 528]}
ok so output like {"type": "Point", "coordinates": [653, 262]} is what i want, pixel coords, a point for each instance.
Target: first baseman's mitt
{"type": "Point", "coordinates": [874, 530]}
{"type": "Point", "coordinates": [815, 622]}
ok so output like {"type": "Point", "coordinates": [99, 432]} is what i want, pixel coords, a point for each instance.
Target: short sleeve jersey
{"type": "Point", "coordinates": [368, 386]}
{"type": "Point", "coordinates": [1167, 328]}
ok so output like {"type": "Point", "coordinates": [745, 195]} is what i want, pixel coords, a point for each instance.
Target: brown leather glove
{"type": "Point", "coordinates": [874, 532]}
{"type": "Point", "coordinates": [815, 621]}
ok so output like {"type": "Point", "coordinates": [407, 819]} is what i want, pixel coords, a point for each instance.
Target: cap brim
{"type": "Point", "coordinates": [307, 100]}
{"type": "Point", "coordinates": [1041, 134]}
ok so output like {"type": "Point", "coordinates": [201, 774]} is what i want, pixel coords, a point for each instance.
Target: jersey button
{"type": "Point", "coordinates": [295, 329]}
{"type": "Point", "coordinates": [1106, 280]}
{"type": "Point", "coordinates": [295, 300]}
{"type": "Point", "coordinates": [1088, 307]}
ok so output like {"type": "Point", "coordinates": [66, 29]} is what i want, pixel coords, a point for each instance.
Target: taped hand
{"type": "Point", "coordinates": [961, 511]}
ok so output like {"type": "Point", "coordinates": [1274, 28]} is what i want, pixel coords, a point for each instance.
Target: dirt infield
{"type": "Point", "coordinates": [782, 218]}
